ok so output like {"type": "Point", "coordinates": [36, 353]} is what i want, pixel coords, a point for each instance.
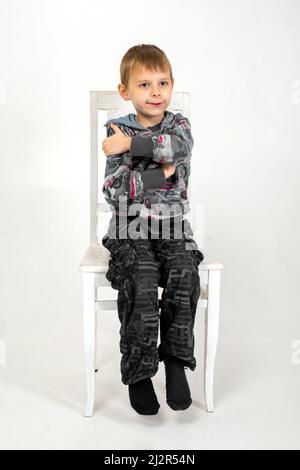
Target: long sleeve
{"type": "Point", "coordinates": [153, 178]}
{"type": "Point", "coordinates": [174, 146]}
{"type": "Point", "coordinates": [121, 181]}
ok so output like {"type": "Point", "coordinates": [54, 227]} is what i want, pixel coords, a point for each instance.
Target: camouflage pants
{"type": "Point", "coordinates": [136, 268]}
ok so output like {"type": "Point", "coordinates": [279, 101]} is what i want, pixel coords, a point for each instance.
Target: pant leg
{"type": "Point", "coordinates": [179, 260]}
{"type": "Point", "coordinates": [134, 272]}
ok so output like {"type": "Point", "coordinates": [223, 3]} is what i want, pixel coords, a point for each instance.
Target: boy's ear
{"type": "Point", "coordinates": [123, 92]}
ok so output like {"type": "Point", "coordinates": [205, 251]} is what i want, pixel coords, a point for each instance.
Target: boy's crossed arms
{"type": "Point", "coordinates": [120, 143]}
{"type": "Point", "coordinates": [170, 149]}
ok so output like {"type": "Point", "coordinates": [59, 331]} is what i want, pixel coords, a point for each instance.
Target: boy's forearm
{"type": "Point", "coordinates": [144, 147]}
{"type": "Point", "coordinates": [173, 147]}
{"type": "Point", "coordinates": [129, 140]}
{"type": "Point", "coordinates": [153, 179]}
{"type": "Point", "coordinates": [141, 146]}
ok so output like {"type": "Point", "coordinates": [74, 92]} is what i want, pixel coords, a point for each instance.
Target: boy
{"type": "Point", "coordinates": [147, 167]}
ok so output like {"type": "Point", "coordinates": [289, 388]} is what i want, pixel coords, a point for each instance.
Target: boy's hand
{"type": "Point", "coordinates": [117, 143]}
{"type": "Point", "coordinates": [169, 169]}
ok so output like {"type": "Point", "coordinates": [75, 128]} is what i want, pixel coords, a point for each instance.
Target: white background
{"type": "Point", "coordinates": [241, 62]}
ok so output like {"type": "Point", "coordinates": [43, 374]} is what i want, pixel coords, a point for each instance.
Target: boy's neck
{"type": "Point", "coordinates": [149, 122]}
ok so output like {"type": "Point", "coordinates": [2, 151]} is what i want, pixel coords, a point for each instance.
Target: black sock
{"type": "Point", "coordinates": [143, 397]}
{"type": "Point", "coordinates": [177, 387]}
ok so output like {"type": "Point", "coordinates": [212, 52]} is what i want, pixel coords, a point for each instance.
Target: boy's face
{"type": "Point", "coordinates": [144, 88]}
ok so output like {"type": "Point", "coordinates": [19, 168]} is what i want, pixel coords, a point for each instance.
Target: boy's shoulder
{"type": "Point", "coordinates": [129, 120]}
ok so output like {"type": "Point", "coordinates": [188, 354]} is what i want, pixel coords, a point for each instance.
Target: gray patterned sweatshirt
{"type": "Point", "coordinates": [137, 176]}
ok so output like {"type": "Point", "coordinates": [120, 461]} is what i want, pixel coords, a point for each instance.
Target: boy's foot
{"type": "Point", "coordinates": [177, 387]}
{"type": "Point", "coordinates": [143, 397]}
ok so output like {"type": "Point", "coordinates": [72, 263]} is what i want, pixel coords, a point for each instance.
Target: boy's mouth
{"type": "Point", "coordinates": [155, 104]}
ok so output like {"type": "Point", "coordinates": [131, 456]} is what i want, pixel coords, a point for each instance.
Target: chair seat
{"type": "Point", "coordinates": [96, 259]}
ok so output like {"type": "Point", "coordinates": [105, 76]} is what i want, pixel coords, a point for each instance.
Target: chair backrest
{"type": "Point", "coordinates": [106, 105]}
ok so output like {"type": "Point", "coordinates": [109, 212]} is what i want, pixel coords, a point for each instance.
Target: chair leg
{"type": "Point", "coordinates": [89, 320]}
{"type": "Point", "coordinates": [211, 335]}
{"type": "Point", "coordinates": [96, 366]}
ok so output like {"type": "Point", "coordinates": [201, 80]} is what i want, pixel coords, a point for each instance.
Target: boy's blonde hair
{"type": "Point", "coordinates": [143, 55]}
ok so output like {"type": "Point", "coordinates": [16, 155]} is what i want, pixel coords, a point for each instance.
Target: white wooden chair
{"type": "Point", "coordinates": [94, 264]}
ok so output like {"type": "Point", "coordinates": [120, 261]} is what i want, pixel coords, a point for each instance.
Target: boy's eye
{"type": "Point", "coordinates": [142, 84]}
